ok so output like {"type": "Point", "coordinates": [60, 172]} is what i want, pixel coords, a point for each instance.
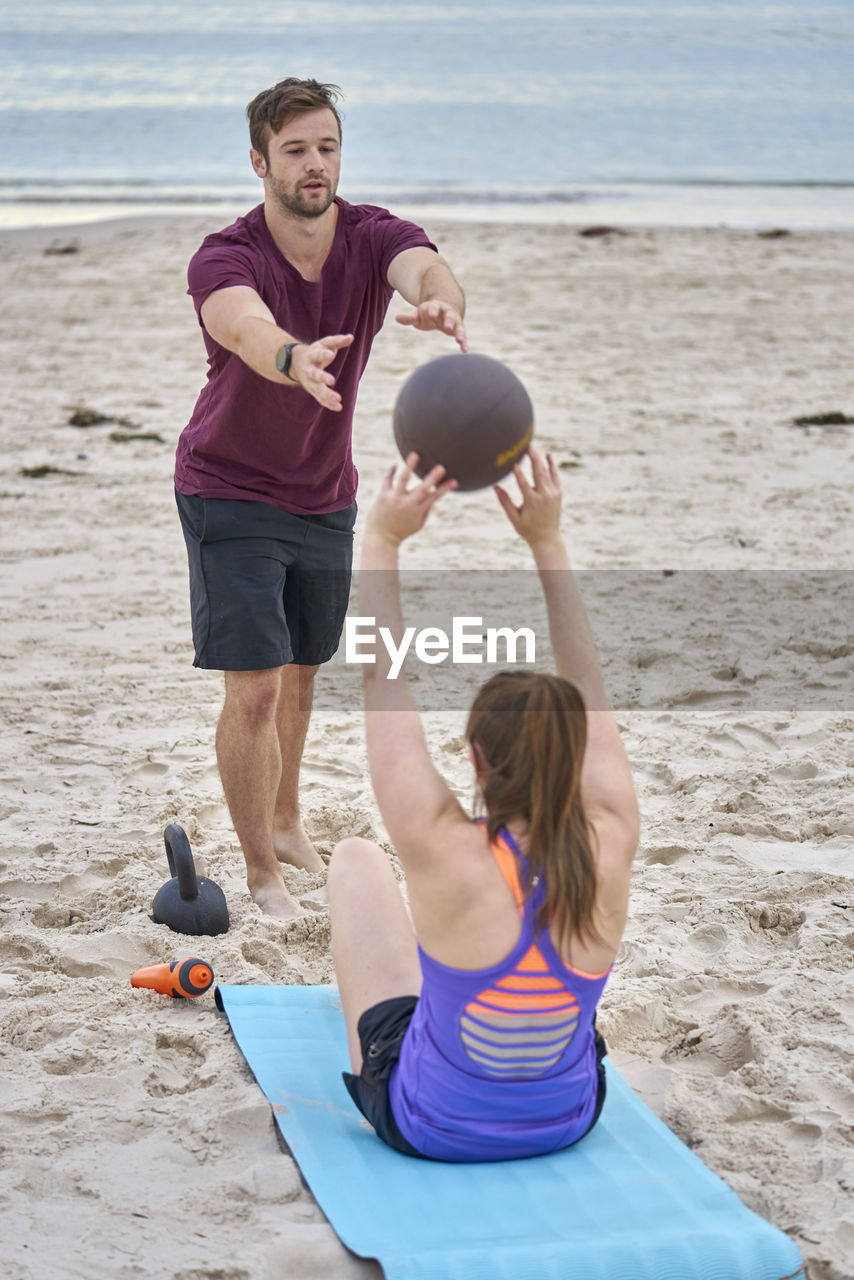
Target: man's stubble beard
{"type": "Point", "coordinates": [292, 205]}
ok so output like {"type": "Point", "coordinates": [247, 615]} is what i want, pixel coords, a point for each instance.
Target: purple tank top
{"type": "Point", "coordinates": [500, 1063]}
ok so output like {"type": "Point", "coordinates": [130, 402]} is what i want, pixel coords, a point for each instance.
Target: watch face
{"type": "Point", "coordinates": [283, 359]}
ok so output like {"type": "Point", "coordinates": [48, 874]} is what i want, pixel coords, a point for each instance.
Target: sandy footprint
{"type": "Point", "coordinates": [740, 740]}
{"type": "Point", "coordinates": [180, 1063]}
{"type": "Point", "coordinates": [323, 767]}
{"type": "Point", "coordinates": [723, 1045]}
{"type": "Point", "coordinates": [28, 890]}
{"type": "Point", "coordinates": [798, 771]}
{"type": "Point", "coordinates": [270, 960]}
{"type": "Point", "coordinates": [665, 855]}
{"type": "Point", "coordinates": [329, 823]}
{"type": "Point", "coordinates": [148, 775]}
{"type": "Point", "coordinates": [779, 918]}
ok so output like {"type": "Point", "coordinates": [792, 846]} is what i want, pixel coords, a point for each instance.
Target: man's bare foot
{"type": "Point", "coordinates": [293, 846]}
{"type": "Point", "coordinates": [273, 899]}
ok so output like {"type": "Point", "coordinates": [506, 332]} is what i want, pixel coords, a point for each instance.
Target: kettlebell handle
{"type": "Point", "coordinates": [181, 865]}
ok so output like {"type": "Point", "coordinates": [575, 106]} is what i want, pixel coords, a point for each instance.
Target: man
{"type": "Point", "coordinates": [289, 298]}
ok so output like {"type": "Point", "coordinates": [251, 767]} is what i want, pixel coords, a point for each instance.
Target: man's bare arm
{"type": "Point", "coordinates": [425, 280]}
{"type": "Point", "coordinates": [239, 320]}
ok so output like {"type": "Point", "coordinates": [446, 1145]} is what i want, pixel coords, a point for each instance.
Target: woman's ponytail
{"type": "Point", "coordinates": [529, 732]}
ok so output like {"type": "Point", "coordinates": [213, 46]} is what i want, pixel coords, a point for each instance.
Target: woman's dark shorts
{"type": "Point", "coordinates": [601, 1085]}
{"type": "Point", "coordinates": [266, 587]}
{"type": "Point", "coordinates": [381, 1030]}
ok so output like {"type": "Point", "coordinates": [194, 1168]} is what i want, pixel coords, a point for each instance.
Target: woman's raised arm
{"type": "Point", "coordinates": [411, 793]}
{"type": "Point", "coordinates": [606, 780]}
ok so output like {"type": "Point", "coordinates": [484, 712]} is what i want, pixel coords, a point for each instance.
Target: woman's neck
{"type": "Point", "coordinates": [519, 830]}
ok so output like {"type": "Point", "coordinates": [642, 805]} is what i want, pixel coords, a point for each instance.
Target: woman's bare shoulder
{"type": "Point", "coordinates": [454, 842]}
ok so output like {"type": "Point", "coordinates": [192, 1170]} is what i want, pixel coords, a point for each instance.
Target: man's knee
{"type": "Point", "coordinates": [253, 695]}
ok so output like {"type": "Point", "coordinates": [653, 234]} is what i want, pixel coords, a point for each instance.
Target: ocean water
{"type": "Point", "coordinates": [702, 109]}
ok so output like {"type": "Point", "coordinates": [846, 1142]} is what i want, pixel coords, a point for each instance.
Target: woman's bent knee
{"type": "Point", "coordinates": [352, 855]}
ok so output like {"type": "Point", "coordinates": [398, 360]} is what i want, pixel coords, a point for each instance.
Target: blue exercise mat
{"type": "Point", "coordinates": [629, 1202]}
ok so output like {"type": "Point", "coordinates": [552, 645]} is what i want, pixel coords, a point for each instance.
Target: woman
{"type": "Point", "coordinates": [471, 1028]}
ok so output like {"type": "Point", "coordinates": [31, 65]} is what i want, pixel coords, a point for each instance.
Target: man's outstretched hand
{"type": "Point", "coordinates": [437, 315]}
{"type": "Point", "coordinates": [308, 368]}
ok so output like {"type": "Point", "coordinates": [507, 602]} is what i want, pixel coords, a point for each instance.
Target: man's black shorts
{"type": "Point", "coordinates": [381, 1029]}
{"type": "Point", "coordinates": [266, 587]}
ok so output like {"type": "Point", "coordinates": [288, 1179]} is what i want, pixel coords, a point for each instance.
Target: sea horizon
{"type": "Point", "coordinates": [793, 206]}
{"type": "Point", "coordinates": [645, 112]}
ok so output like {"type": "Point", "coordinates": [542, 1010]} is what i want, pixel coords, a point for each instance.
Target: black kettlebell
{"type": "Point", "coordinates": [188, 903]}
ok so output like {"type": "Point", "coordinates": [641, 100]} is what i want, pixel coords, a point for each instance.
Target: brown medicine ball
{"type": "Point", "coordinates": [467, 412]}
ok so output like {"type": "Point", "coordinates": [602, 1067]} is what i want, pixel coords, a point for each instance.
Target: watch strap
{"type": "Point", "coordinates": [283, 359]}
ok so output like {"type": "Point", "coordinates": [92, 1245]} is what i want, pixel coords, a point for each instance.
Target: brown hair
{"type": "Point", "coordinates": [272, 108]}
{"type": "Point", "coordinates": [529, 732]}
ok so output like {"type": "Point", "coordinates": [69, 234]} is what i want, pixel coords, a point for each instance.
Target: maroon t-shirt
{"type": "Point", "coordinates": [252, 438]}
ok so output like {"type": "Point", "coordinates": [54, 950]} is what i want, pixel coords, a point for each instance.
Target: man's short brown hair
{"type": "Point", "coordinates": [274, 107]}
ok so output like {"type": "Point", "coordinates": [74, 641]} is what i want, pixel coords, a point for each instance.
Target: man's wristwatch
{"type": "Point", "coordinates": [283, 359]}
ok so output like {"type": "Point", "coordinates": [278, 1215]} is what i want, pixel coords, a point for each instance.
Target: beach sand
{"type": "Point", "coordinates": [666, 368]}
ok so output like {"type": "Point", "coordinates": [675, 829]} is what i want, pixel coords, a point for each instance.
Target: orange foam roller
{"type": "Point", "coordinates": [181, 978]}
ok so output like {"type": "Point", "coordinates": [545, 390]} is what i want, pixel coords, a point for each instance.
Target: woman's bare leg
{"type": "Point", "coordinates": [373, 945]}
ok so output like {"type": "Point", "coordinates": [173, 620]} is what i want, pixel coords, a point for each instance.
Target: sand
{"type": "Point", "coordinates": [667, 367]}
